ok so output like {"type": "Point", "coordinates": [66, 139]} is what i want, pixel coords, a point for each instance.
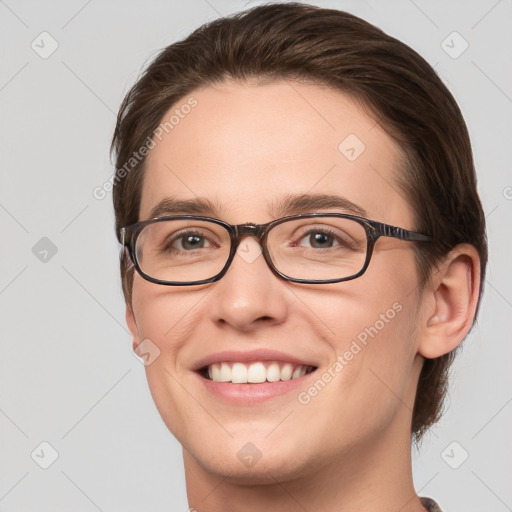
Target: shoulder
{"type": "Point", "coordinates": [430, 505]}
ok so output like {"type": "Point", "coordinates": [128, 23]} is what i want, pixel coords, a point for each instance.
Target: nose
{"type": "Point", "coordinates": [249, 294]}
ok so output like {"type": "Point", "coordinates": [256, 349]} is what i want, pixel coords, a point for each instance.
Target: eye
{"type": "Point", "coordinates": [187, 241]}
{"type": "Point", "coordinates": [324, 238]}
{"type": "Point", "coordinates": [319, 239]}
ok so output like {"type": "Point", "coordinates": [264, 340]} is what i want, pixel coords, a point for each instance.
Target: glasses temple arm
{"type": "Point", "coordinates": [402, 234]}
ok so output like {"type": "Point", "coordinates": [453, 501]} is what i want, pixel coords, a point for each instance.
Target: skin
{"type": "Point", "coordinates": [245, 146]}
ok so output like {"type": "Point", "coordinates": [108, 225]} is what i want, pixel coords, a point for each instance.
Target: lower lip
{"type": "Point", "coordinates": [247, 394]}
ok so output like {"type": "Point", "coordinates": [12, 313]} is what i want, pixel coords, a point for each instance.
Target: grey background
{"type": "Point", "coordinates": [67, 373]}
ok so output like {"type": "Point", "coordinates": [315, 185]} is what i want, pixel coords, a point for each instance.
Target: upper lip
{"type": "Point", "coordinates": [251, 356]}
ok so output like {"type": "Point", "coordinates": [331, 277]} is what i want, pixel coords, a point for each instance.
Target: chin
{"type": "Point", "coordinates": [270, 469]}
{"type": "Point", "coordinates": [258, 462]}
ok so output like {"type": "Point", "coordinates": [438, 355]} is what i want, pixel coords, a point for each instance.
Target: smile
{"type": "Point", "coordinates": [255, 372]}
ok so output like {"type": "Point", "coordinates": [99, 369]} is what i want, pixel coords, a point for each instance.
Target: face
{"type": "Point", "coordinates": [244, 148]}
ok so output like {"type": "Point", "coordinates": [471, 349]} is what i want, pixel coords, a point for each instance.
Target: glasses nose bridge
{"type": "Point", "coordinates": [256, 230]}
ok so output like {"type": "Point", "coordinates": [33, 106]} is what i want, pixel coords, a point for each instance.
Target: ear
{"type": "Point", "coordinates": [132, 325]}
{"type": "Point", "coordinates": [451, 302]}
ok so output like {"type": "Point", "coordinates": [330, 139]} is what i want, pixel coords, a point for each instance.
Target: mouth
{"type": "Point", "coordinates": [255, 372]}
{"type": "Point", "coordinates": [251, 377]}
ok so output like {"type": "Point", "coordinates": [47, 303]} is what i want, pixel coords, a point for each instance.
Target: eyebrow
{"type": "Point", "coordinates": [290, 204]}
{"type": "Point", "coordinates": [197, 206]}
{"type": "Point", "coordinates": [301, 203]}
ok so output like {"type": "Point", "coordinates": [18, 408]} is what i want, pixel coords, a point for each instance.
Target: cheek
{"type": "Point", "coordinates": [166, 316]}
{"type": "Point", "coordinates": [372, 334]}
{"type": "Point", "coordinates": [374, 341]}
{"type": "Point", "coordinates": [370, 379]}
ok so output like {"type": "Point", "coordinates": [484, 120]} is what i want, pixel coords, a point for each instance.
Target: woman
{"type": "Point", "coordinates": [304, 248]}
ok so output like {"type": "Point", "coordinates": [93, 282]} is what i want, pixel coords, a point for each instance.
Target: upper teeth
{"type": "Point", "coordinates": [253, 373]}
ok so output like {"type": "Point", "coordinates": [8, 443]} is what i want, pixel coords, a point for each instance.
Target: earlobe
{"type": "Point", "coordinates": [454, 293]}
{"type": "Point", "coordinates": [132, 325]}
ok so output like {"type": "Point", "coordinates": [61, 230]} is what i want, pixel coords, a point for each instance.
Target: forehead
{"type": "Point", "coordinates": [247, 149]}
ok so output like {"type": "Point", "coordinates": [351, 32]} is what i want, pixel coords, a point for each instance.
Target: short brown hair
{"type": "Point", "coordinates": [329, 47]}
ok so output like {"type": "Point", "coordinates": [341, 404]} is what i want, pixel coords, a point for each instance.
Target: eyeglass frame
{"type": "Point", "coordinates": [373, 229]}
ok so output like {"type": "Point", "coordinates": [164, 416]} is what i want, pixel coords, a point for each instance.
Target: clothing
{"type": "Point", "coordinates": [430, 505]}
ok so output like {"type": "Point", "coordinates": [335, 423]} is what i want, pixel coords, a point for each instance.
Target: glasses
{"type": "Point", "coordinates": [311, 248]}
